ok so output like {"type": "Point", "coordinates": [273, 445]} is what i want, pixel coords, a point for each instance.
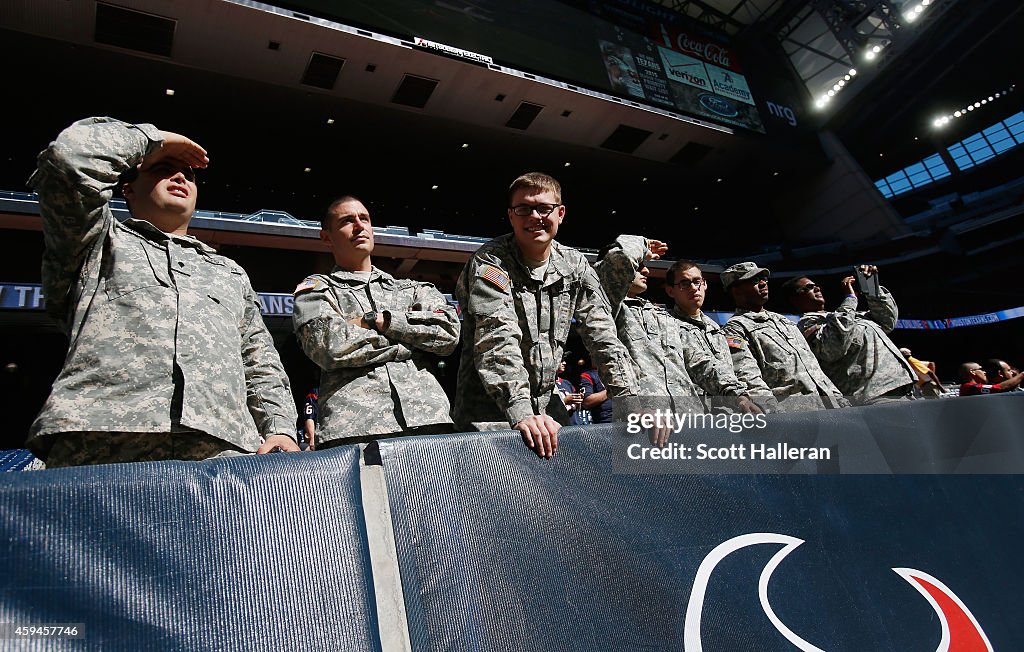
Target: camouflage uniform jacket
{"type": "Point", "coordinates": [855, 350]}
{"type": "Point", "coordinates": [159, 324]}
{"type": "Point", "coordinates": [708, 335]}
{"type": "Point", "coordinates": [670, 363]}
{"type": "Point", "coordinates": [514, 329]}
{"type": "Point", "coordinates": [784, 359]}
{"type": "Point", "coordinates": [375, 383]}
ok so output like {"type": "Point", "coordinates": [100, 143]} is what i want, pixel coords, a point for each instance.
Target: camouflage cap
{"type": "Point", "coordinates": [741, 272]}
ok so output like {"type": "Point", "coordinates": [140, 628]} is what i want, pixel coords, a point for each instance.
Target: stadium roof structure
{"type": "Point", "coordinates": [296, 106]}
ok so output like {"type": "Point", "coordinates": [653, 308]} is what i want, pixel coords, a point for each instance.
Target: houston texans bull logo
{"type": "Point", "coordinates": [960, 630]}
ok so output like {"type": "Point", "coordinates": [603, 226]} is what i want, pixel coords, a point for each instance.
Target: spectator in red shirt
{"type": "Point", "coordinates": [976, 378]}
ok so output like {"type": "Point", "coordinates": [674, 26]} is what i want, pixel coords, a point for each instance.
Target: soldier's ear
{"type": "Point", "coordinates": [325, 237]}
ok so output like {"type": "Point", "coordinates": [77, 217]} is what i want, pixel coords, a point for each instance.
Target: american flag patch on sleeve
{"type": "Point", "coordinates": [308, 283]}
{"type": "Point", "coordinates": [734, 342]}
{"type": "Point", "coordinates": [495, 276]}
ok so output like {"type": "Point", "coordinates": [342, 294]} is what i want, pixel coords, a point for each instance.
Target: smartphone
{"type": "Point", "coordinates": [868, 285]}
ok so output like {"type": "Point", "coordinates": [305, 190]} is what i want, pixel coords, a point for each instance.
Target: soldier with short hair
{"type": "Point", "coordinates": [519, 294]}
{"type": "Point", "coordinates": [686, 286]}
{"type": "Point", "coordinates": [169, 356]}
{"type": "Point", "coordinates": [374, 338]}
{"type": "Point", "coordinates": [853, 347]}
{"type": "Point", "coordinates": [776, 345]}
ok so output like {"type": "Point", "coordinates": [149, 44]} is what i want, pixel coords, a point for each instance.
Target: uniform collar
{"type": "Point", "coordinates": [558, 263]}
{"type": "Point", "coordinates": [699, 320]}
{"type": "Point", "coordinates": [756, 315]}
{"type": "Point", "coordinates": [345, 276]}
{"type": "Point", "coordinates": [150, 231]}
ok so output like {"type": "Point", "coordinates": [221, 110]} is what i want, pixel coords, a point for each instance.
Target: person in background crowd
{"type": "Point", "coordinates": [686, 286]}
{"type": "Point", "coordinates": [307, 421]}
{"type": "Point", "coordinates": [519, 293]}
{"type": "Point", "coordinates": [853, 347]}
{"type": "Point", "coordinates": [573, 399]}
{"type": "Point", "coordinates": [779, 349]}
{"type": "Point", "coordinates": [373, 337]}
{"type": "Point", "coordinates": [169, 356]}
{"type": "Point", "coordinates": [671, 366]}
{"type": "Point", "coordinates": [595, 396]}
{"type": "Point", "coordinates": [994, 378]}
{"type": "Point", "coordinates": [928, 383]}
{"type": "Point", "coordinates": [1013, 371]}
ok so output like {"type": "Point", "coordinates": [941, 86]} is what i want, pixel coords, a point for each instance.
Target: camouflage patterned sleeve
{"type": "Point", "coordinates": [75, 179]}
{"type": "Point", "coordinates": [831, 334]}
{"type": "Point", "coordinates": [498, 336]}
{"type": "Point", "coordinates": [268, 392]}
{"type": "Point", "coordinates": [757, 389]}
{"type": "Point", "coordinates": [744, 364]}
{"type": "Point", "coordinates": [703, 367]}
{"type": "Point", "coordinates": [331, 342]}
{"type": "Point", "coordinates": [431, 324]}
{"type": "Point", "coordinates": [617, 268]}
{"type": "Point", "coordinates": [597, 328]}
{"type": "Point", "coordinates": [882, 309]}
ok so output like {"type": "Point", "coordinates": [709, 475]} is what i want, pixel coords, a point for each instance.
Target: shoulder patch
{"type": "Point", "coordinates": [307, 284]}
{"type": "Point", "coordinates": [735, 342]}
{"type": "Point", "coordinates": [812, 331]}
{"type": "Point", "coordinates": [495, 276]}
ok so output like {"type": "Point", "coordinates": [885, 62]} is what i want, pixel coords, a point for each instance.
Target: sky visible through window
{"type": "Point", "coordinates": [977, 148]}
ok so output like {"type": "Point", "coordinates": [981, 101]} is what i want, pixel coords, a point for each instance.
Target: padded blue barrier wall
{"type": "Point", "coordinates": [265, 553]}
{"type": "Point", "coordinates": [501, 551]}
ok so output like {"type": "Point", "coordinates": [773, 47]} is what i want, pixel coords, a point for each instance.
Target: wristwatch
{"type": "Point", "coordinates": [371, 319]}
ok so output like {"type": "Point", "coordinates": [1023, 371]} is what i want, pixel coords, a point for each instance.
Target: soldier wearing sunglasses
{"type": "Point", "coordinates": [853, 346]}
{"type": "Point", "coordinates": [776, 345]}
{"type": "Point", "coordinates": [169, 357]}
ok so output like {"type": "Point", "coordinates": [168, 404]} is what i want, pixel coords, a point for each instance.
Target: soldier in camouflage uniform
{"type": "Point", "coordinates": [852, 347]}
{"type": "Point", "coordinates": [686, 286]}
{"type": "Point", "coordinates": [776, 345]}
{"type": "Point", "coordinates": [374, 337]}
{"type": "Point", "coordinates": [519, 294]}
{"type": "Point", "coordinates": [671, 366]}
{"type": "Point", "coordinates": [169, 357]}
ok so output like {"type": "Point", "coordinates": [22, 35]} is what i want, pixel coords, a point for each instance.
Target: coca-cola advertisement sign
{"type": "Point", "coordinates": [696, 46]}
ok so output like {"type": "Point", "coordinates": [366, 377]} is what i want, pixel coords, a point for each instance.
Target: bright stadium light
{"type": "Point", "coordinates": [853, 71]}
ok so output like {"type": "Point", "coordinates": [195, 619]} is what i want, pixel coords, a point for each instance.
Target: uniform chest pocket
{"type": "Point", "coordinates": [774, 343]}
{"type": "Point", "coordinates": [226, 291]}
{"type": "Point", "coordinates": [351, 302]}
{"type": "Point", "coordinates": [563, 305]}
{"type": "Point", "coordinates": [131, 266]}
